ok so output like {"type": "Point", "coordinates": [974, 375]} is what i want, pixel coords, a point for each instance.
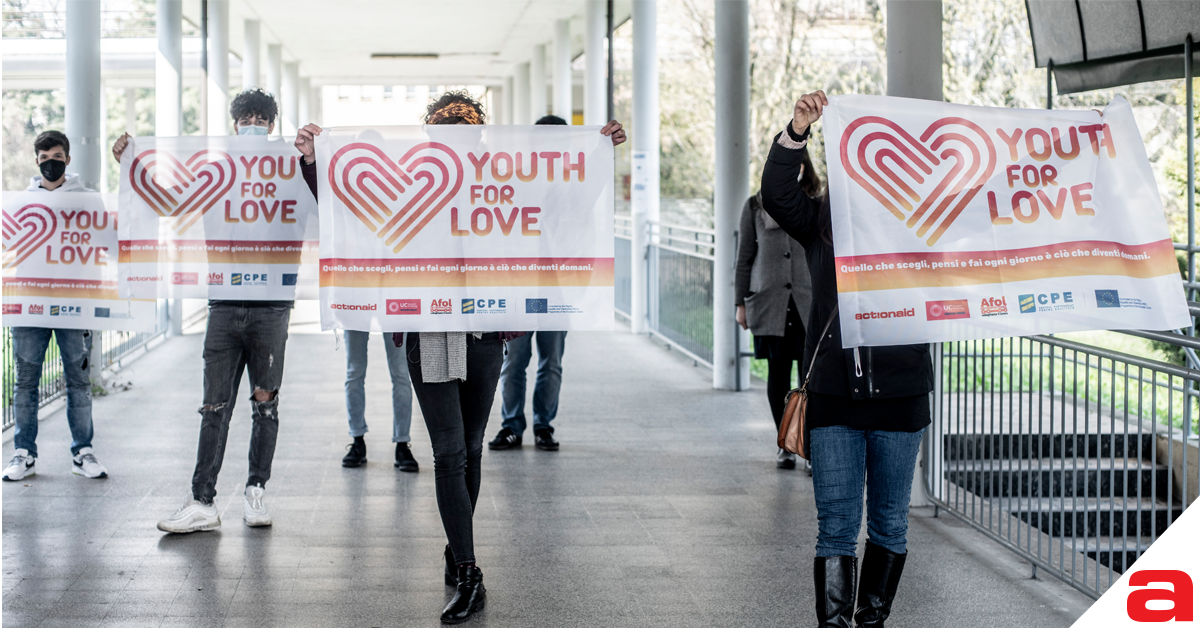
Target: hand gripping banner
{"type": "Point", "coordinates": [954, 223]}
{"type": "Point", "coordinates": [466, 228]}
{"type": "Point", "coordinates": [216, 217]}
{"type": "Point", "coordinates": [60, 264]}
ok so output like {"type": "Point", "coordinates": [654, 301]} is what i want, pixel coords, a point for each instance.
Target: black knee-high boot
{"type": "Point", "coordinates": [834, 579]}
{"type": "Point", "coordinates": [881, 571]}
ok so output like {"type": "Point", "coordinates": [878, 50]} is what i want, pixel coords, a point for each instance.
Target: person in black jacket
{"type": "Point", "coordinates": [868, 408]}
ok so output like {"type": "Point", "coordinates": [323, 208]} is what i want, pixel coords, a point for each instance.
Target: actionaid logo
{"type": "Point", "coordinates": [867, 316]}
{"type": "Point", "coordinates": [909, 178]}
{"type": "Point", "coordinates": [183, 190]}
{"type": "Point", "coordinates": [1157, 604]}
{"type": "Point", "coordinates": [395, 198]}
{"type": "Point", "coordinates": [26, 230]}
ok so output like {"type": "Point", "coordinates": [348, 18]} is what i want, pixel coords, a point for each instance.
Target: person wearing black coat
{"type": "Point", "coordinates": [868, 408]}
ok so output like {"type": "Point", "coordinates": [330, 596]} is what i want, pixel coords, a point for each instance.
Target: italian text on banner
{"type": "Point", "coordinates": [60, 264]}
{"type": "Point", "coordinates": [953, 222]}
{"type": "Point", "coordinates": [466, 228]}
{"type": "Point", "coordinates": [216, 217]}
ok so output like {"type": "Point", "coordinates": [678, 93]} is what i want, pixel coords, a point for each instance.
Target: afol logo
{"type": "Point", "coordinates": [947, 310]}
{"type": "Point", "coordinates": [537, 306]}
{"type": "Point", "coordinates": [216, 279]}
{"type": "Point", "coordinates": [418, 186]}
{"type": "Point", "coordinates": [11, 308]}
{"type": "Point", "coordinates": [182, 190]}
{"type": "Point", "coordinates": [993, 306]}
{"type": "Point", "coordinates": [37, 308]}
{"type": "Point", "coordinates": [441, 306]}
{"type": "Point", "coordinates": [25, 231]}
{"type": "Point", "coordinates": [1046, 302]}
{"type": "Point", "coordinates": [403, 307]}
{"type": "Point", "coordinates": [943, 187]}
{"type": "Point", "coordinates": [185, 279]}
{"type": "Point", "coordinates": [484, 306]}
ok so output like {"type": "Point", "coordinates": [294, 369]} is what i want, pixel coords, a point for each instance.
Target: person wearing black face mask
{"type": "Point", "coordinates": [75, 345]}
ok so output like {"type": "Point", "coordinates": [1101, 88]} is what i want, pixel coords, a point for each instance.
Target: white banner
{"type": "Point", "coordinates": [216, 217]}
{"type": "Point", "coordinates": [953, 222]}
{"type": "Point", "coordinates": [60, 264]}
{"type": "Point", "coordinates": [466, 228]}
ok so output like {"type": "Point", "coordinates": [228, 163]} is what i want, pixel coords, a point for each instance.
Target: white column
{"type": "Point", "coordinates": [537, 83]}
{"type": "Point", "coordinates": [595, 85]}
{"type": "Point", "coordinates": [290, 98]}
{"type": "Point", "coordinates": [219, 122]}
{"type": "Point", "coordinates": [732, 185]}
{"type": "Point", "coordinates": [521, 95]}
{"type": "Point", "coordinates": [275, 81]}
{"type": "Point", "coordinates": [562, 70]}
{"type": "Point", "coordinates": [914, 70]}
{"type": "Point", "coordinates": [644, 133]}
{"type": "Point", "coordinates": [131, 110]}
{"type": "Point", "coordinates": [496, 115]}
{"type": "Point", "coordinates": [168, 70]}
{"type": "Point", "coordinates": [85, 95]}
{"type": "Point", "coordinates": [251, 66]}
{"type": "Point", "coordinates": [305, 115]}
{"type": "Point", "coordinates": [508, 100]}
{"type": "Point", "coordinates": [168, 99]}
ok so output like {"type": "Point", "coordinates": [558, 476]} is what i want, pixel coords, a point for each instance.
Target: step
{"type": "Point", "coordinates": [1061, 477]}
{"type": "Point", "coordinates": [1117, 553]}
{"type": "Point", "coordinates": [1024, 446]}
{"type": "Point", "coordinates": [1094, 517]}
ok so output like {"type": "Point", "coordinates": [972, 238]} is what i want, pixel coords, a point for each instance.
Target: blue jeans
{"type": "Point", "coordinates": [29, 346]}
{"type": "Point", "coordinates": [545, 390]}
{"type": "Point", "coordinates": [841, 458]}
{"type": "Point", "coordinates": [356, 395]}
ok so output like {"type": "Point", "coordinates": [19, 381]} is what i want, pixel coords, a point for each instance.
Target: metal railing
{"type": "Point", "coordinates": [114, 346]}
{"type": "Point", "coordinates": [1073, 456]}
{"type": "Point", "coordinates": [680, 287]}
{"type": "Point", "coordinates": [623, 265]}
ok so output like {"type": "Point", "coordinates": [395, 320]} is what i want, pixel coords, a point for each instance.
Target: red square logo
{"type": "Point", "coordinates": [403, 306]}
{"type": "Point", "coordinates": [12, 308]}
{"type": "Point", "coordinates": [185, 279]}
{"type": "Point", "coordinates": [947, 310]}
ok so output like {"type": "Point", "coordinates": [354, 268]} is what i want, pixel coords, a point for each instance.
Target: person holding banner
{"type": "Point", "coordinates": [868, 408]}
{"type": "Point", "coordinates": [240, 334]}
{"type": "Point", "coordinates": [53, 151]}
{"type": "Point", "coordinates": [773, 294]}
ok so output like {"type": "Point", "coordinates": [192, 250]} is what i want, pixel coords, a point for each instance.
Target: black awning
{"type": "Point", "coordinates": [1095, 44]}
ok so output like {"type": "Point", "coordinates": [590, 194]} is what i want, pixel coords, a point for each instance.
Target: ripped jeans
{"type": "Point", "coordinates": [239, 337]}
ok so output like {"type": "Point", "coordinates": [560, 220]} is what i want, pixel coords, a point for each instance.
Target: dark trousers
{"type": "Point", "coordinates": [456, 414]}
{"type": "Point", "coordinates": [239, 337]}
{"type": "Point", "coordinates": [779, 382]}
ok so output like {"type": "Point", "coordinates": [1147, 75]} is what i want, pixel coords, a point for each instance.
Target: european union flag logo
{"type": "Point", "coordinates": [536, 306]}
{"type": "Point", "coordinates": [1027, 304]}
{"type": "Point", "coordinates": [102, 312]}
{"type": "Point", "coordinates": [1108, 298]}
{"type": "Point", "coordinates": [235, 279]}
{"type": "Point", "coordinates": [468, 306]}
{"type": "Point", "coordinates": [289, 279]}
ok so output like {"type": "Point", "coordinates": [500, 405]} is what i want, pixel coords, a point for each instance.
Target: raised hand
{"type": "Point", "coordinates": [808, 110]}
{"type": "Point", "coordinates": [119, 146]}
{"type": "Point", "coordinates": [305, 142]}
{"type": "Point", "coordinates": [615, 131]}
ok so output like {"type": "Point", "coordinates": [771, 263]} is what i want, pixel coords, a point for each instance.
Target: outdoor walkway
{"type": "Point", "coordinates": [663, 508]}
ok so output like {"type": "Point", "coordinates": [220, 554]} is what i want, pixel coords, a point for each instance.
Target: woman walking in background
{"type": "Point", "coordinates": [868, 408]}
{"type": "Point", "coordinates": [773, 293]}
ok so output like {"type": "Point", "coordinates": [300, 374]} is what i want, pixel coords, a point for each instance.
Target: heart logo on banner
{"type": "Point", "coordinates": [183, 190]}
{"type": "Point", "coordinates": [25, 231]}
{"type": "Point", "coordinates": [966, 160]}
{"type": "Point", "coordinates": [395, 199]}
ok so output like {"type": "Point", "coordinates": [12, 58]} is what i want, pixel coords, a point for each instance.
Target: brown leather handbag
{"type": "Point", "coordinates": [793, 433]}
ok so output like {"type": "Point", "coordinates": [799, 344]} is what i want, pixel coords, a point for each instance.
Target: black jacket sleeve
{"type": "Point", "coordinates": [782, 197]}
{"type": "Point", "coordinates": [746, 252]}
{"type": "Point", "coordinates": [310, 175]}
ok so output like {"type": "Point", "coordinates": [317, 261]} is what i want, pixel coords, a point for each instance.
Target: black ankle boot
{"type": "Point", "coordinates": [357, 454]}
{"type": "Point", "coordinates": [469, 598]}
{"type": "Point", "coordinates": [451, 569]}
{"type": "Point", "coordinates": [834, 578]}
{"type": "Point", "coordinates": [881, 571]}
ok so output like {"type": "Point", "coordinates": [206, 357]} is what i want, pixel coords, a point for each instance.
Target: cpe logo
{"type": "Point", "coordinates": [1046, 302]}
{"type": "Point", "coordinates": [402, 307]}
{"type": "Point", "coordinates": [484, 306]}
{"type": "Point", "coordinates": [441, 306]}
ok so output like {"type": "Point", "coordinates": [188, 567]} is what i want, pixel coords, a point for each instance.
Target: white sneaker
{"type": "Point", "coordinates": [21, 466]}
{"type": "Point", "coordinates": [191, 517]}
{"type": "Point", "coordinates": [85, 464]}
{"type": "Point", "coordinates": [254, 511]}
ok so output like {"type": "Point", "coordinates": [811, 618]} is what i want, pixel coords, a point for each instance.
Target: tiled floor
{"type": "Point", "coordinates": [663, 508]}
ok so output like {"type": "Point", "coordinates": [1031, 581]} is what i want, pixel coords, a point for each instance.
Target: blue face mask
{"type": "Point", "coordinates": [252, 129]}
